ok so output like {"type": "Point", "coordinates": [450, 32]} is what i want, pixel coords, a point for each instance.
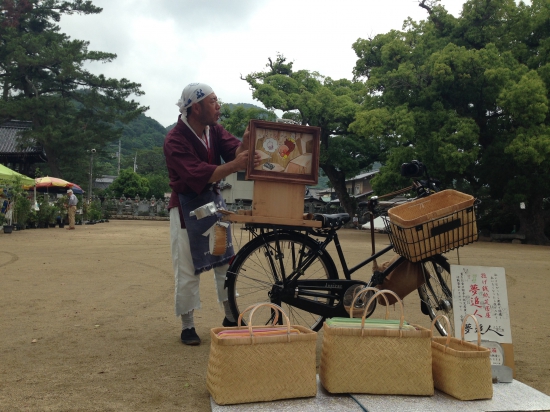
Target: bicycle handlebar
{"type": "Point", "coordinates": [415, 170]}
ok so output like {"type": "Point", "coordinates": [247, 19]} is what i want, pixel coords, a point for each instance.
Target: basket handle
{"type": "Point", "coordinates": [273, 306]}
{"type": "Point", "coordinates": [448, 327]}
{"type": "Point", "coordinates": [361, 293]}
{"type": "Point", "coordinates": [477, 327]}
{"type": "Point", "coordinates": [382, 293]}
{"type": "Point", "coordinates": [239, 321]}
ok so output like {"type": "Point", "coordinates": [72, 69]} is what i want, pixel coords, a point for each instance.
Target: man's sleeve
{"type": "Point", "coordinates": [228, 144]}
{"type": "Point", "coordinates": [187, 166]}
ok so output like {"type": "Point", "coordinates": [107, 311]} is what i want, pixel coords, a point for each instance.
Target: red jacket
{"type": "Point", "coordinates": [187, 158]}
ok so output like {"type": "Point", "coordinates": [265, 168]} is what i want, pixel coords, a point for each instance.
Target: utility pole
{"type": "Point", "coordinates": [119, 140]}
{"type": "Point", "coordinates": [135, 163]}
{"type": "Point", "coordinates": [92, 151]}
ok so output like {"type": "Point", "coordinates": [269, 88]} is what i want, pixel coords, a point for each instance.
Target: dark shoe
{"type": "Point", "coordinates": [190, 337]}
{"type": "Point", "coordinates": [227, 323]}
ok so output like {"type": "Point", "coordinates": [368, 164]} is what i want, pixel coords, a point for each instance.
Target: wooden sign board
{"type": "Point", "coordinates": [481, 291]}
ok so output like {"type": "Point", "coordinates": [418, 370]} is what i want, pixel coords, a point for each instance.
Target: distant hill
{"type": "Point", "coordinates": [142, 133]}
{"type": "Point", "coordinates": [244, 105]}
{"type": "Point", "coordinates": [322, 182]}
{"type": "Point", "coordinates": [232, 106]}
{"type": "Point", "coordinates": [146, 133]}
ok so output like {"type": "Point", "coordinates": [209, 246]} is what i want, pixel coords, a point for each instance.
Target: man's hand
{"type": "Point", "coordinates": [241, 161]}
{"type": "Point", "coordinates": [246, 139]}
{"type": "Point", "coordinates": [257, 158]}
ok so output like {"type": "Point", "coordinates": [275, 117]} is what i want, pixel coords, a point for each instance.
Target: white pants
{"type": "Point", "coordinates": [187, 295]}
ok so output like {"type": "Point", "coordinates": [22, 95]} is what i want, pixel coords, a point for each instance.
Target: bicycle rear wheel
{"type": "Point", "coordinates": [436, 294]}
{"type": "Point", "coordinates": [259, 270]}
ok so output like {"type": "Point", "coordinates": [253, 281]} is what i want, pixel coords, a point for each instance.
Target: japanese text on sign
{"type": "Point", "coordinates": [481, 291]}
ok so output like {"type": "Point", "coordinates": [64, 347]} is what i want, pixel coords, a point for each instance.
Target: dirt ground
{"type": "Point", "coordinates": [88, 324]}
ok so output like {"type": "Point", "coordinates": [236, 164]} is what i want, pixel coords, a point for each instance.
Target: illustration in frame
{"type": "Point", "coordinates": [290, 153]}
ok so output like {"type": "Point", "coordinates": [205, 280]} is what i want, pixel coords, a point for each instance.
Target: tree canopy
{"type": "Point", "coordinates": [475, 89]}
{"type": "Point", "coordinates": [235, 117]}
{"type": "Point", "coordinates": [311, 99]}
{"type": "Point", "coordinates": [129, 184]}
{"type": "Point", "coordinates": [44, 80]}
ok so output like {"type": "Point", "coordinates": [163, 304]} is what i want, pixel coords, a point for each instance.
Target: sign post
{"type": "Point", "coordinates": [481, 291]}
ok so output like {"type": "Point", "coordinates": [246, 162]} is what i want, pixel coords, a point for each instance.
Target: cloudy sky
{"type": "Point", "coordinates": [166, 44]}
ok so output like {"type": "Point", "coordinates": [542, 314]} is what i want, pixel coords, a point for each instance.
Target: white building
{"type": "Point", "coordinates": [235, 188]}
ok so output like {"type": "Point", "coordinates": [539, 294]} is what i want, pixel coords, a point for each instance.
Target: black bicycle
{"type": "Point", "coordinates": [291, 267]}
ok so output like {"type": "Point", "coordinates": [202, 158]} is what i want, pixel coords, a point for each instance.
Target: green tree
{"type": "Point", "coordinates": [158, 185]}
{"type": "Point", "coordinates": [475, 91]}
{"type": "Point", "coordinates": [129, 184]}
{"type": "Point", "coordinates": [314, 100]}
{"type": "Point", "coordinates": [151, 161]}
{"type": "Point", "coordinates": [44, 80]}
{"type": "Point", "coordinates": [235, 117]}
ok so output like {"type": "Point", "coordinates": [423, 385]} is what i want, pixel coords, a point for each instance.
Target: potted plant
{"type": "Point", "coordinates": [44, 214]}
{"type": "Point", "coordinates": [21, 205]}
{"type": "Point", "coordinates": [62, 211]}
{"type": "Point", "coordinates": [95, 212]}
{"type": "Point", "coordinates": [52, 216]}
{"type": "Point", "coordinates": [32, 219]}
{"type": "Point", "coordinates": [21, 211]}
{"type": "Point", "coordinates": [85, 211]}
{"type": "Point", "coordinates": [7, 228]}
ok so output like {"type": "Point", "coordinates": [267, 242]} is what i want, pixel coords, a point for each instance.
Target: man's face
{"type": "Point", "coordinates": [209, 112]}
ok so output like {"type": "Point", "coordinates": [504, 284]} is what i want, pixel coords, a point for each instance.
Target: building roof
{"type": "Point", "coordinates": [359, 196]}
{"type": "Point", "coordinates": [311, 199]}
{"type": "Point", "coordinates": [363, 176]}
{"type": "Point", "coordinates": [10, 142]}
{"type": "Point", "coordinates": [106, 179]}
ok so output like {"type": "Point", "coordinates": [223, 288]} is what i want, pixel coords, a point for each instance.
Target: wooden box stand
{"type": "Point", "coordinates": [276, 203]}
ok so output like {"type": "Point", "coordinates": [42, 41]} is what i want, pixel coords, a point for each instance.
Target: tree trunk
{"type": "Point", "coordinates": [52, 162]}
{"type": "Point", "coordinates": [533, 220]}
{"type": "Point", "coordinates": [338, 180]}
{"type": "Point", "coordinates": [5, 90]}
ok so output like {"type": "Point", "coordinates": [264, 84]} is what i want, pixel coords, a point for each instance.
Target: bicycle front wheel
{"type": "Point", "coordinates": [436, 293]}
{"type": "Point", "coordinates": [259, 270]}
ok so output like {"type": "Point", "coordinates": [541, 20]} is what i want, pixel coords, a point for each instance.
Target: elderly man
{"type": "Point", "coordinates": [194, 150]}
{"type": "Point", "coordinates": [72, 201]}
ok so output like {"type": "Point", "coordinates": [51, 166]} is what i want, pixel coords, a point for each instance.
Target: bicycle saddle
{"type": "Point", "coordinates": [335, 221]}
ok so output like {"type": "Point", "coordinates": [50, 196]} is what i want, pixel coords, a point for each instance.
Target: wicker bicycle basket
{"type": "Point", "coordinates": [432, 225]}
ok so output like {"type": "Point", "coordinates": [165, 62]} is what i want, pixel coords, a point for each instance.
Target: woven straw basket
{"type": "Point", "coordinates": [377, 361]}
{"type": "Point", "coordinates": [461, 369]}
{"type": "Point", "coordinates": [265, 368]}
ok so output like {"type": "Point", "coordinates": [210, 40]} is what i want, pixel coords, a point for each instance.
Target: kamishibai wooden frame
{"type": "Point", "coordinates": [290, 153]}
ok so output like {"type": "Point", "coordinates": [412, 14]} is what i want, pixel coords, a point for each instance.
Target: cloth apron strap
{"type": "Point", "coordinates": [203, 260]}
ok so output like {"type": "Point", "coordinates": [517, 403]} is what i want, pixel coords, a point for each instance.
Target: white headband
{"type": "Point", "coordinates": [193, 93]}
